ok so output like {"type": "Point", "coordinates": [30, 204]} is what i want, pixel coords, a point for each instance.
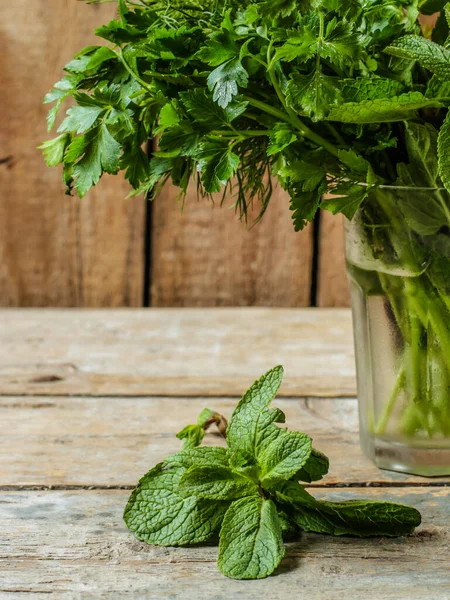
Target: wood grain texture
{"type": "Point", "coordinates": [332, 283]}
{"type": "Point", "coordinates": [178, 352]}
{"type": "Point", "coordinates": [75, 545]}
{"type": "Point", "coordinates": [56, 250]}
{"type": "Point", "coordinates": [205, 257]}
{"type": "Point", "coordinates": [114, 441]}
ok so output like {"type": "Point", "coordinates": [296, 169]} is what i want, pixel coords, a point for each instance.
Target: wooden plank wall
{"type": "Point", "coordinates": [101, 251]}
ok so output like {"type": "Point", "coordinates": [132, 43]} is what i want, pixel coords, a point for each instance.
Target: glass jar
{"type": "Point", "coordinates": [398, 261]}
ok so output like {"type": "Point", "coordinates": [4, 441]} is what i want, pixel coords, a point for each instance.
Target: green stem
{"type": "Point", "coordinates": [380, 428]}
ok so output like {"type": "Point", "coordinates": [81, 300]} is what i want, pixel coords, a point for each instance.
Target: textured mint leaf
{"type": "Point", "coordinates": [192, 435]}
{"type": "Point", "coordinates": [157, 514]}
{"type": "Point", "coordinates": [315, 467]}
{"type": "Point", "coordinates": [53, 150]}
{"type": "Point", "coordinates": [80, 118]}
{"type": "Point", "coordinates": [251, 544]}
{"type": "Point", "coordinates": [429, 55]}
{"type": "Point", "coordinates": [202, 456]}
{"type": "Point", "coordinates": [349, 202]}
{"type": "Point", "coordinates": [363, 88]}
{"type": "Point", "coordinates": [225, 81]}
{"type": "Point", "coordinates": [422, 147]}
{"type": "Point", "coordinates": [361, 518]}
{"type": "Point", "coordinates": [444, 152]}
{"type": "Point", "coordinates": [101, 152]}
{"type": "Point", "coordinates": [280, 137]}
{"type": "Point", "coordinates": [216, 483]}
{"type": "Point", "coordinates": [217, 164]}
{"type": "Point", "coordinates": [313, 94]}
{"type": "Point", "coordinates": [283, 457]}
{"type": "Point", "coordinates": [385, 110]}
{"type": "Point", "coordinates": [252, 426]}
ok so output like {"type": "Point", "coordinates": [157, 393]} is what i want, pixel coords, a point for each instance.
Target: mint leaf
{"type": "Point", "coordinates": [54, 150]}
{"type": "Point", "coordinates": [429, 55]}
{"type": "Point", "coordinates": [251, 545]}
{"type": "Point", "coordinates": [383, 110]}
{"type": "Point", "coordinates": [157, 514]}
{"type": "Point", "coordinates": [361, 518]}
{"type": "Point", "coordinates": [314, 469]}
{"type": "Point", "coordinates": [283, 457]}
{"type": "Point", "coordinates": [192, 435]}
{"type": "Point", "coordinates": [251, 426]}
{"type": "Point", "coordinates": [225, 80]}
{"type": "Point", "coordinates": [376, 88]}
{"type": "Point", "coordinates": [216, 483]}
{"type": "Point", "coordinates": [202, 456]}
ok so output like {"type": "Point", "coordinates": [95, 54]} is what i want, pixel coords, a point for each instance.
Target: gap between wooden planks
{"type": "Point", "coordinates": [75, 544]}
{"type": "Point", "coordinates": [62, 441]}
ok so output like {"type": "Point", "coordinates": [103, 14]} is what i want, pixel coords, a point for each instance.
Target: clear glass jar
{"type": "Point", "coordinates": [398, 261]}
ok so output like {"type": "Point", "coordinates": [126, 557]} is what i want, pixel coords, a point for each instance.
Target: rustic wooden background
{"type": "Point", "coordinates": [110, 250]}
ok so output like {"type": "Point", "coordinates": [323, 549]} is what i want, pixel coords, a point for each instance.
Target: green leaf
{"type": "Point", "coordinates": [217, 164]}
{"type": "Point", "coordinates": [80, 118]}
{"type": "Point", "coordinates": [353, 161]}
{"type": "Point", "coordinates": [192, 435]}
{"type": "Point", "coordinates": [157, 514]}
{"type": "Point", "coordinates": [136, 164]}
{"type": "Point", "coordinates": [360, 518]}
{"type": "Point", "coordinates": [201, 456]}
{"type": "Point", "coordinates": [168, 117]}
{"type": "Point", "coordinates": [216, 483]}
{"type": "Point", "coordinates": [220, 48]}
{"type": "Point", "coordinates": [179, 140]}
{"type": "Point", "coordinates": [101, 55]}
{"type": "Point", "coordinates": [54, 149]}
{"type": "Point", "coordinates": [225, 80]}
{"type": "Point", "coordinates": [383, 110]}
{"type": "Point", "coordinates": [349, 202]}
{"type": "Point", "coordinates": [444, 152]}
{"type": "Point", "coordinates": [203, 110]}
{"type": "Point", "coordinates": [315, 467]}
{"type": "Point", "coordinates": [251, 426]}
{"type": "Point", "coordinates": [281, 136]}
{"type": "Point", "coordinates": [313, 94]}
{"type": "Point", "coordinates": [429, 55]}
{"type": "Point", "coordinates": [304, 206]}
{"type": "Point", "coordinates": [251, 545]}
{"type": "Point", "coordinates": [363, 88]}
{"type": "Point", "coordinates": [283, 457]}
{"type": "Point", "coordinates": [101, 152]}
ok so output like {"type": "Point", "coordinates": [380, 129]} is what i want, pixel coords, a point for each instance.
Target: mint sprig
{"type": "Point", "coordinates": [249, 493]}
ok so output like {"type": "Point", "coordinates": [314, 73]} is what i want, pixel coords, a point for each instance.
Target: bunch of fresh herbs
{"type": "Point", "coordinates": [249, 493]}
{"type": "Point", "coordinates": [319, 94]}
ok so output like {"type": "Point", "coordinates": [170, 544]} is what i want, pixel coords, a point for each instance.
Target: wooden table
{"type": "Point", "coordinates": [90, 400]}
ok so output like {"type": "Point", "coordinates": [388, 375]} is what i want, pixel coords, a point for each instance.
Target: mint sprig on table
{"type": "Point", "coordinates": [249, 492]}
{"type": "Point", "coordinates": [315, 93]}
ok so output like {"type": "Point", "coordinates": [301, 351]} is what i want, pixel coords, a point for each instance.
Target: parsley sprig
{"type": "Point", "coordinates": [314, 93]}
{"type": "Point", "coordinates": [249, 492]}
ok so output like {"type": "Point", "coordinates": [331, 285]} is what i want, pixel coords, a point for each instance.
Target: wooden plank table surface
{"type": "Point", "coordinates": [91, 399]}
